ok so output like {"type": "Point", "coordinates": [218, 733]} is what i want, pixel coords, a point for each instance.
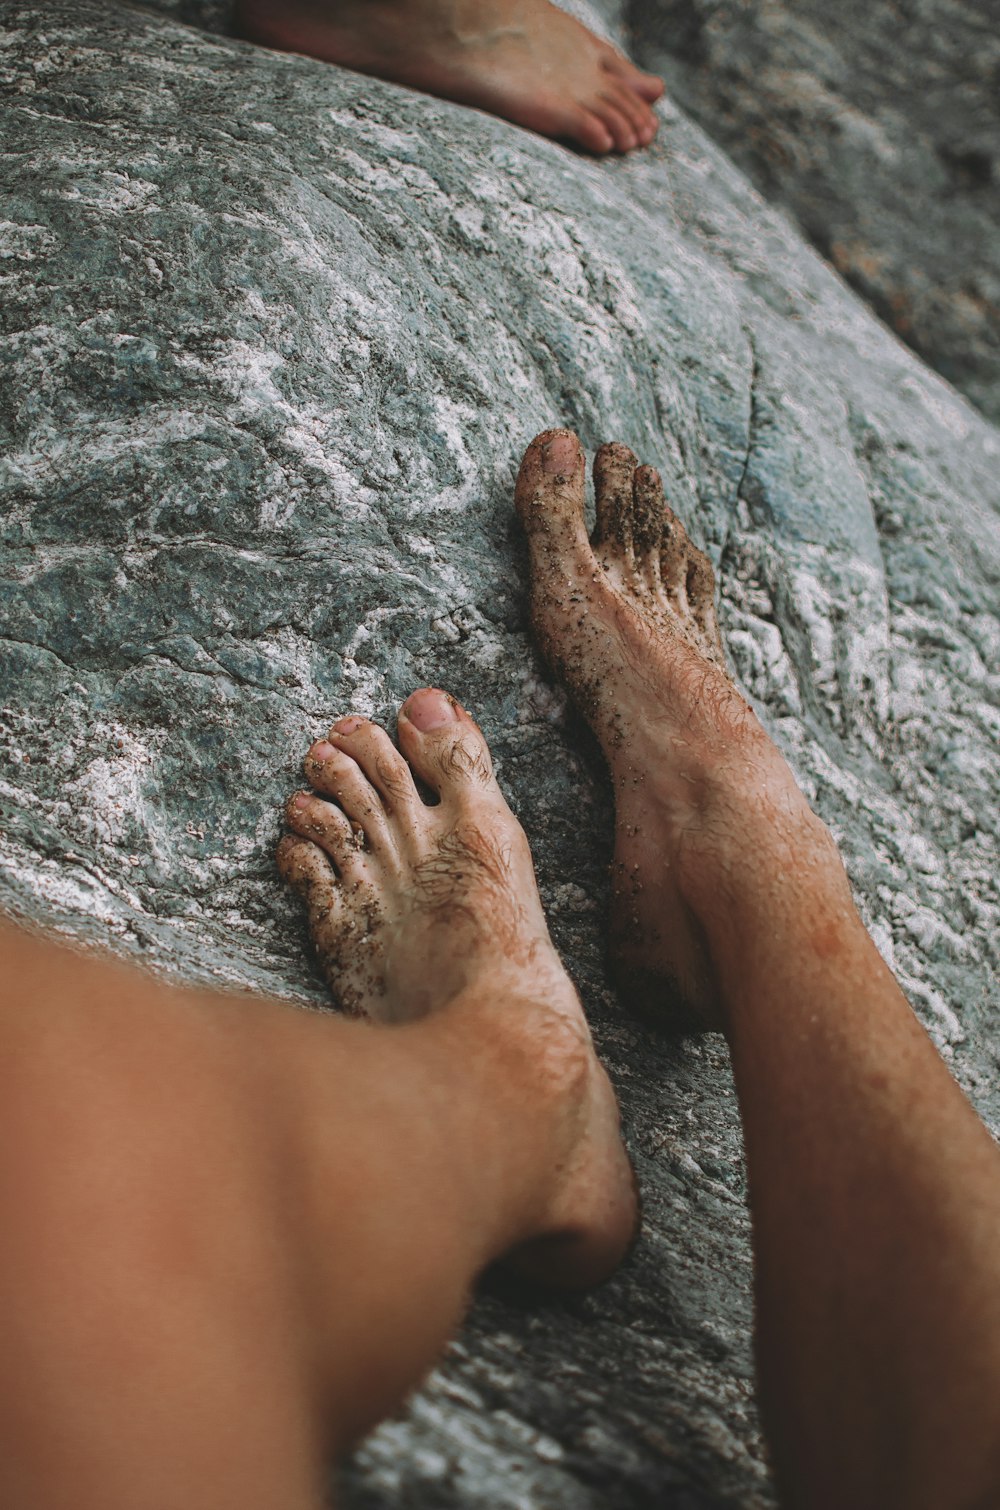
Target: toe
{"type": "Point", "coordinates": [340, 935]}
{"type": "Point", "coordinates": [648, 86]}
{"type": "Point", "coordinates": [304, 867]}
{"type": "Point", "coordinates": [586, 128]}
{"type": "Point", "coordinates": [647, 520]}
{"type": "Point", "coordinates": [674, 558]}
{"type": "Point", "coordinates": [700, 588]}
{"type": "Point", "coordinates": [549, 498]}
{"type": "Point", "coordinates": [327, 826]}
{"type": "Point", "coordinates": [608, 107]}
{"type": "Point", "coordinates": [637, 113]}
{"type": "Point", "coordinates": [380, 761]}
{"type": "Point", "coordinates": [554, 113]}
{"type": "Point", "coordinates": [443, 745]}
{"type": "Point", "coordinates": [614, 468]}
{"type": "Point", "coordinates": [338, 775]}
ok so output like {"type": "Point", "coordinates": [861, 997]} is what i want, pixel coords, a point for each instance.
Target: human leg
{"type": "Point", "coordinates": [526, 60]}
{"type": "Point", "coordinates": [235, 1234]}
{"type": "Point", "coordinates": [875, 1191]}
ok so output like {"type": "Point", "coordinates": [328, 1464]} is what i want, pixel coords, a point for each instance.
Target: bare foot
{"type": "Point", "coordinates": [525, 60]}
{"type": "Point", "coordinates": [627, 620]}
{"type": "Point", "coordinates": [413, 907]}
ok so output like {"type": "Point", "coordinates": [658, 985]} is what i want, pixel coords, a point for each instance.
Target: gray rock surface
{"type": "Point", "coordinates": [274, 339]}
{"type": "Point", "coordinates": [878, 127]}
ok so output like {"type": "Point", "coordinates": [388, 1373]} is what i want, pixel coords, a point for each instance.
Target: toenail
{"type": "Point", "coordinates": [430, 709]}
{"type": "Point", "coordinates": [300, 801]}
{"type": "Point", "coordinates": [321, 751]}
{"type": "Point", "coordinates": [348, 725]}
{"type": "Point", "coordinates": [560, 453]}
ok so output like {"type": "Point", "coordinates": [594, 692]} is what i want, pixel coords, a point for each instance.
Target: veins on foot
{"type": "Point", "coordinates": [525, 60]}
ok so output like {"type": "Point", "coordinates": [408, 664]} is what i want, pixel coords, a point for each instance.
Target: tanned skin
{"type": "Point", "coordinates": [525, 60]}
{"type": "Point", "coordinates": [236, 1234]}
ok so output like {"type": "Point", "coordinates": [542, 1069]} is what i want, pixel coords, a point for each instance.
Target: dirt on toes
{"type": "Point", "coordinates": [629, 624]}
{"type": "Point", "coordinates": [408, 898]}
{"type": "Point", "coordinates": [438, 907]}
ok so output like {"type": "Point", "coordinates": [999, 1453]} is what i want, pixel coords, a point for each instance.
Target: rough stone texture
{"type": "Point", "coordinates": [274, 339]}
{"type": "Point", "coordinates": [878, 127]}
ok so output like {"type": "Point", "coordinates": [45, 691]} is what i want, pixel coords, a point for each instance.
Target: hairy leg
{"type": "Point", "coordinates": [875, 1190]}
{"type": "Point", "coordinates": [235, 1234]}
{"type": "Point", "coordinates": [525, 60]}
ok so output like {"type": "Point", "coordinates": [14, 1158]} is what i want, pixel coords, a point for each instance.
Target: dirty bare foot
{"type": "Point", "coordinates": [627, 620]}
{"type": "Point", "coordinates": [525, 60]}
{"type": "Point", "coordinates": [415, 908]}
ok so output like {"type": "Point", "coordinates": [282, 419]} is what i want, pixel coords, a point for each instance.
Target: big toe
{"type": "Point", "coordinates": [549, 497]}
{"type": "Point", "coordinates": [648, 86]}
{"type": "Point", "coordinates": [443, 744]}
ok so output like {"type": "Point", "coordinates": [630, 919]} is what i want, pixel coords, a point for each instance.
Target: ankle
{"type": "Point", "coordinates": [507, 995]}
{"type": "Point", "coordinates": [540, 1094]}
{"type": "Point", "coordinates": [748, 831]}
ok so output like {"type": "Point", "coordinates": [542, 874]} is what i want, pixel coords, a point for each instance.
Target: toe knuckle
{"type": "Point", "coordinates": [393, 776]}
{"type": "Point", "coordinates": [467, 759]}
